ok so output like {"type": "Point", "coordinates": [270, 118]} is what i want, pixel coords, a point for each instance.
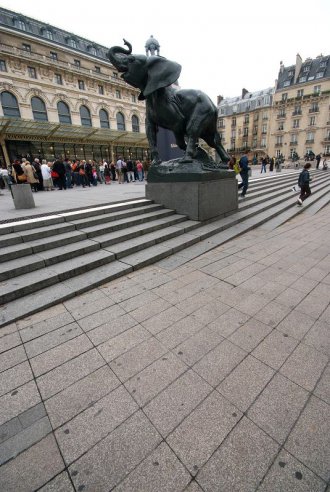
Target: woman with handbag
{"type": "Point", "coordinates": [31, 176]}
{"type": "Point", "coordinates": [18, 172]}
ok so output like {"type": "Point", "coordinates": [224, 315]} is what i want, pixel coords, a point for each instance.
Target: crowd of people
{"type": "Point", "coordinates": [64, 174]}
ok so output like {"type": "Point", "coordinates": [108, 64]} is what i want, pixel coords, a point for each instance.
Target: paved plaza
{"type": "Point", "coordinates": [210, 376]}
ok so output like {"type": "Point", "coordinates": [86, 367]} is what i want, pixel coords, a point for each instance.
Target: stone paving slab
{"type": "Point", "coordinates": [202, 375]}
{"type": "Point", "coordinates": [242, 460]}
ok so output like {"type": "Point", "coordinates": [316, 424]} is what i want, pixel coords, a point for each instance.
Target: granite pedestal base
{"type": "Point", "coordinates": [199, 200]}
{"type": "Point", "coordinates": [22, 196]}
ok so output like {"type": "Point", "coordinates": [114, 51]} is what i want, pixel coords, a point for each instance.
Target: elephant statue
{"type": "Point", "coordinates": [190, 114]}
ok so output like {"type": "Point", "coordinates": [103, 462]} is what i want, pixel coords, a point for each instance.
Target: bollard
{"type": "Point", "coordinates": [22, 196]}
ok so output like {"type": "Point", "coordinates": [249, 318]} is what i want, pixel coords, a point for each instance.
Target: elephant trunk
{"type": "Point", "coordinates": [118, 56]}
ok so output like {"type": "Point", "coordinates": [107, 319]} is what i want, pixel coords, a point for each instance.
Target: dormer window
{"type": "Point", "coordinates": [290, 74]}
{"type": "Point", "coordinates": [319, 75]}
{"type": "Point", "coordinates": [72, 42]}
{"type": "Point", "coordinates": [323, 64]}
{"type": "Point", "coordinates": [306, 68]}
{"type": "Point", "coordinates": [92, 50]}
{"type": "Point", "coordinates": [286, 83]}
{"type": "Point", "coordinates": [20, 23]}
{"type": "Point", "coordinates": [49, 34]}
{"type": "Point", "coordinates": [302, 79]}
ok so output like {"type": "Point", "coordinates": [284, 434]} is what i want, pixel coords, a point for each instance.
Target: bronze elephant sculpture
{"type": "Point", "coordinates": [189, 113]}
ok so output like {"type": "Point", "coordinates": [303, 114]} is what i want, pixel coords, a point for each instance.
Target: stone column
{"type": "Point", "coordinates": [4, 151]}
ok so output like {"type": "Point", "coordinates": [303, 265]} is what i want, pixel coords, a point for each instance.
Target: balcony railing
{"type": "Point", "coordinates": [294, 142]}
{"type": "Point", "coordinates": [281, 115]}
{"type": "Point", "coordinates": [310, 141]}
{"type": "Point", "coordinates": [296, 113]}
{"type": "Point", "coordinates": [279, 144]}
{"type": "Point", "coordinates": [314, 110]}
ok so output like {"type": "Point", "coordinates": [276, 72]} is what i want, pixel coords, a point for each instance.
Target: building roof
{"type": "Point", "coordinates": [248, 101]}
{"type": "Point", "coordinates": [316, 69]}
{"type": "Point", "coordinates": [43, 31]}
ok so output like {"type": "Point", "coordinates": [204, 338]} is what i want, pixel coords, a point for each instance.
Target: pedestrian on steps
{"type": "Point", "coordinates": [244, 172]}
{"type": "Point", "coordinates": [303, 181]}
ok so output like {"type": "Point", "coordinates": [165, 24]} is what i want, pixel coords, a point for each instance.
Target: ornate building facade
{"type": "Point", "coordinates": [60, 96]}
{"type": "Point", "coordinates": [291, 118]}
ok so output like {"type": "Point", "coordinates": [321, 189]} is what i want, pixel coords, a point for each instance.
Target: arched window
{"type": "Point", "coordinates": [10, 105]}
{"type": "Point", "coordinates": [85, 116]}
{"type": "Point", "coordinates": [135, 124]}
{"type": "Point", "coordinates": [39, 109]}
{"type": "Point", "coordinates": [120, 121]}
{"type": "Point", "coordinates": [64, 115]}
{"type": "Point", "coordinates": [104, 119]}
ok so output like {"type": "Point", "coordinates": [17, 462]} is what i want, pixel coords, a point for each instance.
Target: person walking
{"type": "Point", "coordinates": [303, 181]}
{"type": "Point", "coordinates": [318, 159]}
{"type": "Point", "coordinates": [263, 165]}
{"type": "Point", "coordinates": [244, 172]}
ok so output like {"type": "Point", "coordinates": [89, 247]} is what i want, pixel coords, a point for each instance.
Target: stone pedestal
{"type": "Point", "coordinates": [22, 196]}
{"type": "Point", "coordinates": [198, 200]}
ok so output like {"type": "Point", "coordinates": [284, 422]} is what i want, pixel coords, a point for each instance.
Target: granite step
{"type": "Point", "coordinates": [32, 223]}
{"type": "Point", "coordinates": [25, 284]}
{"type": "Point", "coordinates": [32, 247]}
{"type": "Point", "coordinates": [22, 265]}
{"type": "Point", "coordinates": [174, 225]}
{"type": "Point", "coordinates": [120, 224]}
{"type": "Point", "coordinates": [60, 292]}
{"type": "Point", "coordinates": [38, 233]}
{"type": "Point", "coordinates": [115, 215]}
{"type": "Point", "coordinates": [132, 232]}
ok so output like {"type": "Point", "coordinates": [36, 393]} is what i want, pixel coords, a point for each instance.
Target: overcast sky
{"type": "Point", "coordinates": [222, 46]}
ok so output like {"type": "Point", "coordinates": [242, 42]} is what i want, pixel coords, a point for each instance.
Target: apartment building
{"type": "Point", "coordinates": [300, 120]}
{"type": "Point", "coordinates": [291, 118]}
{"type": "Point", "coordinates": [243, 122]}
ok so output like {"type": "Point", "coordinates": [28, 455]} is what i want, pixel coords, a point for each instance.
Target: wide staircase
{"type": "Point", "coordinates": [51, 259]}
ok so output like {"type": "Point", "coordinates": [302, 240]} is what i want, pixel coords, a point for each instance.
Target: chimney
{"type": "Point", "coordinates": [281, 67]}
{"type": "Point", "coordinates": [298, 67]}
{"type": "Point", "coordinates": [219, 99]}
{"type": "Point", "coordinates": [244, 92]}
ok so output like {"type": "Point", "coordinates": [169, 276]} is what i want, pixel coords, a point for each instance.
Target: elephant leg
{"type": "Point", "coordinates": [197, 123]}
{"type": "Point", "coordinates": [214, 141]}
{"type": "Point", "coordinates": [180, 141]}
{"type": "Point", "coordinates": [151, 131]}
{"type": "Point", "coordinates": [190, 148]}
{"type": "Point", "coordinates": [219, 148]}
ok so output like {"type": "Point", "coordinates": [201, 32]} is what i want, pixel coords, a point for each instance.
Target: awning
{"type": "Point", "coordinates": [16, 128]}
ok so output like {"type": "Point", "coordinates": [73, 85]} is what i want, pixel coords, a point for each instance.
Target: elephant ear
{"type": "Point", "coordinates": [161, 73]}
